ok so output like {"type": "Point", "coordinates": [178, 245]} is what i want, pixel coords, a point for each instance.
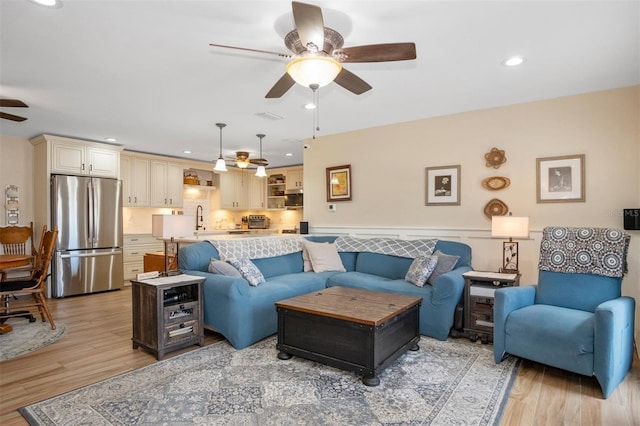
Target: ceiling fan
{"type": "Point", "coordinates": [318, 54]}
{"type": "Point", "coordinates": [12, 103]}
{"type": "Point", "coordinates": [243, 161]}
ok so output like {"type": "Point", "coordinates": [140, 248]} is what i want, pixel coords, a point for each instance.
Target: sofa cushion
{"type": "Point", "coordinates": [420, 269]}
{"type": "Point", "coordinates": [377, 283]}
{"type": "Point", "coordinates": [285, 264]}
{"type": "Point", "coordinates": [324, 257]}
{"type": "Point", "coordinates": [562, 337]}
{"type": "Point", "coordinates": [223, 268]}
{"type": "Point", "coordinates": [249, 271]}
{"type": "Point", "coordinates": [446, 263]}
{"type": "Point", "coordinates": [384, 265]}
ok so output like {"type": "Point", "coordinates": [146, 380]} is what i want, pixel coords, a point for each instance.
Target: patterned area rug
{"type": "Point", "coordinates": [452, 382]}
{"type": "Point", "coordinates": [27, 337]}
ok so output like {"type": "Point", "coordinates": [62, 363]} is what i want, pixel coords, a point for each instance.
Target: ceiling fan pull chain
{"type": "Point", "coordinates": [316, 112]}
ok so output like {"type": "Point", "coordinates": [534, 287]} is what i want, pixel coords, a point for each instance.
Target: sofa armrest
{"type": "Point", "coordinates": [448, 285]}
{"type": "Point", "coordinates": [507, 300]}
{"type": "Point", "coordinates": [613, 342]}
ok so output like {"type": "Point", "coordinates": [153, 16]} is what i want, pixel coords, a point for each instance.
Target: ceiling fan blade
{"type": "Point", "coordinates": [12, 117]}
{"type": "Point", "coordinates": [259, 161]}
{"type": "Point", "coordinates": [377, 53]}
{"type": "Point", "coordinates": [13, 103]}
{"type": "Point", "coordinates": [280, 88]}
{"type": "Point", "coordinates": [282, 55]}
{"type": "Point", "coordinates": [352, 82]}
{"type": "Point", "coordinates": [309, 24]}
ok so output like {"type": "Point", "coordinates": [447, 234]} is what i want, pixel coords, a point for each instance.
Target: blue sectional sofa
{"type": "Point", "coordinates": [245, 314]}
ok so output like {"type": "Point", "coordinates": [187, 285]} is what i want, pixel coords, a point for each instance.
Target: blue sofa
{"type": "Point", "coordinates": [245, 314]}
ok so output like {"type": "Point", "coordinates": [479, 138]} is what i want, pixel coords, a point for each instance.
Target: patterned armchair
{"type": "Point", "coordinates": [575, 317]}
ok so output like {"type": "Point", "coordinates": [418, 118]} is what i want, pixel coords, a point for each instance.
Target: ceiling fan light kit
{"type": "Point", "coordinates": [261, 172]}
{"type": "Point", "coordinates": [221, 165]}
{"type": "Point", "coordinates": [308, 70]}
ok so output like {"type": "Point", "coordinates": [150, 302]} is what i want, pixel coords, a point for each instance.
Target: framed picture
{"type": "Point", "coordinates": [443, 186]}
{"type": "Point", "coordinates": [560, 179]}
{"type": "Point", "coordinates": [339, 183]}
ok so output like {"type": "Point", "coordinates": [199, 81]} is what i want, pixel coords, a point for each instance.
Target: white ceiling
{"type": "Point", "coordinates": [143, 71]}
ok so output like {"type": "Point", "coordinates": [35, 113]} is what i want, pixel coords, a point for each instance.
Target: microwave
{"type": "Point", "coordinates": [293, 200]}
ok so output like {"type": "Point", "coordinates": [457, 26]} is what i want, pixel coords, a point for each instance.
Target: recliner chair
{"type": "Point", "coordinates": [575, 317]}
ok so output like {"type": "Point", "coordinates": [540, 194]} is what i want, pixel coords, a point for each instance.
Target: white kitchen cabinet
{"type": "Point", "coordinates": [135, 247]}
{"type": "Point", "coordinates": [78, 158]}
{"type": "Point", "coordinates": [134, 173]}
{"type": "Point", "coordinates": [234, 190]}
{"type": "Point", "coordinates": [166, 184]}
{"type": "Point", "coordinates": [258, 193]}
{"type": "Point", "coordinates": [294, 179]}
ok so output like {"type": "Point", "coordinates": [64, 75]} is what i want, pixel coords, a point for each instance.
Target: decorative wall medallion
{"type": "Point", "coordinates": [495, 158]}
{"type": "Point", "coordinates": [495, 207]}
{"type": "Point", "coordinates": [495, 183]}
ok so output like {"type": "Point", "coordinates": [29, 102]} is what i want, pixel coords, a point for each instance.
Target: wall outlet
{"type": "Point", "coordinates": [332, 207]}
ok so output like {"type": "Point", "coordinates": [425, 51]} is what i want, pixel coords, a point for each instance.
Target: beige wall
{"type": "Point", "coordinates": [388, 168]}
{"type": "Point", "coordinates": [16, 168]}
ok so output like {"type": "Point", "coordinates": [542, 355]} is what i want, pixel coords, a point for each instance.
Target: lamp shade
{"type": "Point", "coordinates": [510, 226]}
{"type": "Point", "coordinates": [221, 165]}
{"type": "Point", "coordinates": [261, 172]}
{"type": "Point", "coordinates": [172, 225]}
{"type": "Point", "coordinates": [308, 70]}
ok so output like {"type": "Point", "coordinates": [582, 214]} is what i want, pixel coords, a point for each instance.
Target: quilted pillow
{"type": "Point", "coordinates": [248, 269]}
{"type": "Point", "coordinates": [446, 263]}
{"type": "Point", "coordinates": [223, 268]}
{"type": "Point", "coordinates": [420, 269]}
{"type": "Point", "coordinates": [324, 257]}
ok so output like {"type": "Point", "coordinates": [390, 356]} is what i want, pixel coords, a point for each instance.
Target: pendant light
{"type": "Point", "coordinates": [221, 165]}
{"type": "Point", "coordinates": [261, 172]}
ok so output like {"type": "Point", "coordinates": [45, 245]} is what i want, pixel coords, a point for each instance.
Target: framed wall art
{"type": "Point", "coordinates": [560, 179]}
{"type": "Point", "coordinates": [443, 186]}
{"type": "Point", "coordinates": [339, 183]}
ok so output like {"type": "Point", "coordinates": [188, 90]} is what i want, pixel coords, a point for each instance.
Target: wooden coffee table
{"type": "Point", "coordinates": [356, 330]}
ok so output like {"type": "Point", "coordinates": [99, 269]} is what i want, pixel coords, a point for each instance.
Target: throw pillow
{"type": "Point", "coordinates": [305, 259]}
{"type": "Point", "coordinates": [248, 269]}
{"type": "Point", "coordinates": [446, 263]}
{"type": "Point", "coordinates": [324, 257]}
{"type": "Point", "coordinates": [223, 268]}
{"type": "Point", "coordinates": [420, 269]}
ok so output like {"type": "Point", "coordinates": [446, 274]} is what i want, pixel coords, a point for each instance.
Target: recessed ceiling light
{"type": "Point", "coordinates": [513, 61]}
{"type": "Point", "coordinates": [310, 105]}
{"type": "Point", "coordinates": [186, 151]}
{"type": "Point", "coordinates": [111, 139]}
{"type": "Point", "coordinates": [48, 3]}
{"type": "Point", "coordinates": [289, 154]}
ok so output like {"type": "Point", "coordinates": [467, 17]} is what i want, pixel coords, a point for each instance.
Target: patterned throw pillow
{"type": "Point", "coordinates": [446, 263]}
{"type": "Point", "coordinates": [248, 269]}
{"type": "Point", "coordinates": [420, 269]}
{"type": "Point", "coordinates": [223, 268]}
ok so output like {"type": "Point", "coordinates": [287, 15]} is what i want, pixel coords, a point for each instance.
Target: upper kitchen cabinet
{"type": "Point", "coordinates": [234, 190]}
{"type": "Point", "coordinates": [258, 192]}
{"type": "Point", "coordinates": [294, 179]}
{"type": "Point", "coordinates": [134, 173]}
{"type": "Point", "coordinates": [166, 187]}
{"type": "Point", "coordinates": [78, 157]}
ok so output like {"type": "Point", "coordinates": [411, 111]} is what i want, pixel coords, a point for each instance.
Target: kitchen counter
{"type": "Point", "coordinates": [229, 233]}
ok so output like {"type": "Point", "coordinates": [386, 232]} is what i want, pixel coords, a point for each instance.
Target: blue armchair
{"type": "Point", "coordinates": [575, 317]}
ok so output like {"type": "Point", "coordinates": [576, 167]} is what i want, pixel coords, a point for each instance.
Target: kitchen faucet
{"type": "Point", "coordinates": [199, 219]}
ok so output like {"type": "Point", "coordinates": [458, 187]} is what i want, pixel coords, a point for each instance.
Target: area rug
{"type": "Point", "coordinates": [452, 382]}
{"type": "Point", "coordinates": [27, 337]}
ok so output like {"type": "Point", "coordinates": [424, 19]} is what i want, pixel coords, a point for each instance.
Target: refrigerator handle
{"type": "Point", "coordinates": [90, 212]}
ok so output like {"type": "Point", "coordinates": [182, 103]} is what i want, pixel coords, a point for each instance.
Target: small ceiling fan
{"type": "Point", "coordinates": [317, 54]}
{"type": "Point", "coordinates": [243, 161]}
{"type": "Point", "coordinates": [12, 103]}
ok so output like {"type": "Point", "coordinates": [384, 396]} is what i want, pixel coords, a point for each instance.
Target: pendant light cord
{"type": "Point", "coordinates": [316, 113]}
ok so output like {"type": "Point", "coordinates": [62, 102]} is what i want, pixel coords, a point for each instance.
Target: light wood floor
{"type": "Point", "coordinates": [97, 345]}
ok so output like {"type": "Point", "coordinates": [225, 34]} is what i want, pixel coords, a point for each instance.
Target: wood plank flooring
{"type": "Point", "coordinates": [97, 345]}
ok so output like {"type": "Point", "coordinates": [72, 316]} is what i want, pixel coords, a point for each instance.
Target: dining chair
{"type": "Point", "coordinates": [35, 284]}
{"type": "Point", "coordinates": [18, 240]}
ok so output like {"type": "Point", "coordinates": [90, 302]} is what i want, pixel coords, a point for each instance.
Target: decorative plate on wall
{"type": "Point", "coordinates": [495, 207]}
{"type": "Point", "coordinates": [495, 158]}
{"type": "Point", "coordinates": [495, 183]}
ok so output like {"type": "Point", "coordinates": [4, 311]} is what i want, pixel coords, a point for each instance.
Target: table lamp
{"type": "Point", "coordinates": [510, 227]}
{"type": "Point", "coordinates": [171, 226]}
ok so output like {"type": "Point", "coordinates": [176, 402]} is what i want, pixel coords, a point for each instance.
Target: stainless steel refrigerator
{"type": "Point", "coordinates": [88, 254]}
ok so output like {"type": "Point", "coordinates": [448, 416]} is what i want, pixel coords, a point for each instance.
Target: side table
{"type": "Point", "coordinates": [167, 313]}
{"type": "Point", "coordinates": [479, 289]}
